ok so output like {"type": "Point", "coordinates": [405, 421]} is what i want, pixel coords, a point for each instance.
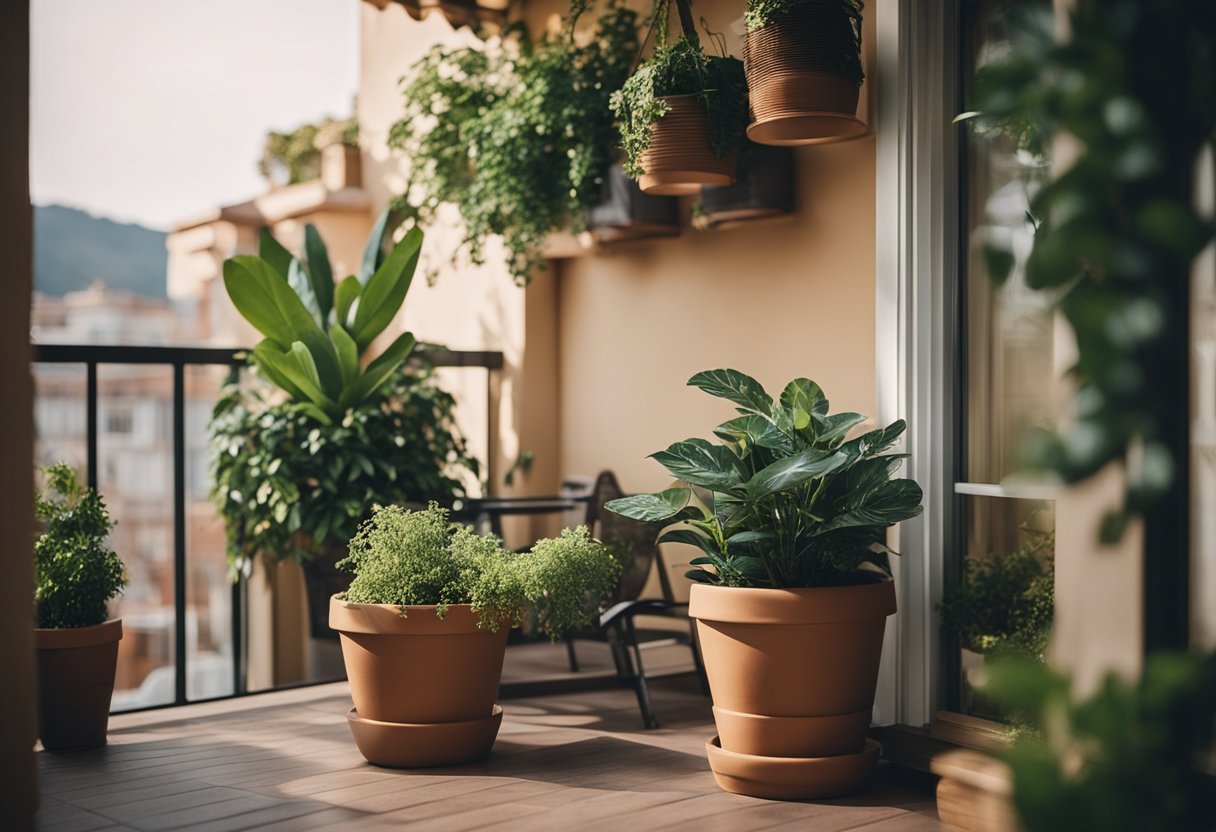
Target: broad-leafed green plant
{"type": "Point", "coordinates": [317, 334]}
{"type": "Point", "coordinates": [517, 134]}
{"type": "Point", "coordinates": [286, 484]}
{"type": "Point", "coordinates": [792, 502]}
{"type": "Point", "coordinates": [406, 558]}
{"type": "Point", "coordinates": [681, 68]}
{"type": "Point", "coordinates": [834, 24]}
{"type": "Point", "coordinates": [75, 573]}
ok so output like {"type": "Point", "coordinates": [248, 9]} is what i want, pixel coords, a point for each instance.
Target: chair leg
{"type": "Point", "coordinates": [639, 680]}
{"type": "Point", "coordinates": [571, 655]}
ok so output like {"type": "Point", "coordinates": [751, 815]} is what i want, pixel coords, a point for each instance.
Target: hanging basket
{"type": "Point", "coordinates": [767, 187]}
{"type": "Point", "coordinates": [803, 78]}
{"type": "Point", "coordinates": [679, 161]}
{"type": "Point", "coordinates": [624, 212]}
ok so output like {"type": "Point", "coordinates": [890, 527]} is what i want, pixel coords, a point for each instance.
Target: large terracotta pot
{"type": "Point", "coordinates": [797, 96]}
{"type": "Point", "coordinates": [678, 161]}
{"type": "Point", "coordinates": [75, 683]}
{"type": "Point", "coordinates": [424, 687]}
{"type": "Point", "coordinates": [793, 673]}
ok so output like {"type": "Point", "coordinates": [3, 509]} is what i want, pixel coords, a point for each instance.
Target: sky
{"type": "Point", "coordinates": [154, 111]}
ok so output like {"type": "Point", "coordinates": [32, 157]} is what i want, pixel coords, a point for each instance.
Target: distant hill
{"type": "Point", "coordinates": [73, 248]}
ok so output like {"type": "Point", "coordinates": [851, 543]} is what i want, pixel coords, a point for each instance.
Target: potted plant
{"type": "Point", "coordinates": [792, 589]}
{"type": "Point", "coordinates": [297, 467]}
{"type": "Point", "coordinates": [625, 212]}
{"type": "Point", "coordinates": [424, 627]}
{"type": "Point", "coordinates": [76, 641]}
{"type": "Point", "coordinates": [516, 133]}
{"type": "Point", "coordinates": [767, 187]}
{"type": "Point", "coordinates": [803, 65]}
{"type": "Point", "coordinates": [682, 114]}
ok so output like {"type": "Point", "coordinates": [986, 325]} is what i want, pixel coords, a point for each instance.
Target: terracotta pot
{"type": "Point", "coordinates": [678, 161]}
{"type": "Point", "coordinates": [796, 95]}
{"type": "Point", "coordinates": [791, 778]}
{"type": "Point", "coordinates": [75, 683]}
{"type": "Point", "coordinates": [409, 674]}
{"type": "Point", "coordinates": [793, 671]}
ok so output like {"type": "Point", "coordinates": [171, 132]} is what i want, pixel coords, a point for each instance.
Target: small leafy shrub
{"type": "Point", "coordinates": [408, 558]}
{"type": "Point", "coordinates": [293, 156]}
{"type": "Point", "coordinates": [681, 68]}
{"type": "Point", "coordinates": [285, 483]}
{"type": "Point", "coordinates": [75, 574]}
{"type": "Point", "coordinates": [836, 25]}
{"type": "Point", "coordinates": [791, 503]}
{"type": "Point", "coordinates": [1006, 602]}
{"type": "Point", "coordinates": [517, 134]}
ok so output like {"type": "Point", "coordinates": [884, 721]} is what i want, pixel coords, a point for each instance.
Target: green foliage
{"type": "Point", "coordinates": [419, 558]}
{"type": "Point", "coordinates": [1115, 230]}
{"type": "Point", "coordinates": [793, 503]}
{"type": "Point", "coordinates": [74, 573]}
{"type": "Point", "coordinates": [1121, 760]}
{"type": "Point", "coordinates": [840, 17]}
{"type": "Point", "coordinates": [1006, 602]}
{"type": "Point", "coordinates": [295, 155]}
{"type": "Point", "coordinates": [284, 483]}
{"type": "Point", "coordinates": [314, 350]}
{"type": "Point", "coordinates": [681, 68]}
{"type": "Point", "coordinates": [517, 135]}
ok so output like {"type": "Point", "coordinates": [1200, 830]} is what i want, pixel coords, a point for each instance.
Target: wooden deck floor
{"type": "Point", "coordinates": [286, 761]}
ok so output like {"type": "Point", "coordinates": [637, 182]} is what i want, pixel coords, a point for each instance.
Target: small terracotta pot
{"type": "Point", "coordinates": [678, 161]}
{"type": "Point", "coordinates": [795, 96]}
{"type": "Point", "coordinates": [76, 669]}
{"type": "Point", "coordinates": [792, 671]}
{"type": "Point", "coordinates": [409, 674]}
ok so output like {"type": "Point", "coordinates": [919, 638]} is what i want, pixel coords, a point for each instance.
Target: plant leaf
{"type": "Point", "coordinates": [385, 290]}
{"type": "Point", "coordinates": [373, 252]}
{"type": "Point", "coordinates": [655, 508]}
{"type": "Point", "coordinates": [890, 503]}
{"type": "Point", "coordinates": [736, 387]}
{"type": "Point", "coordinates": [270, 369]}
{"type": "Point", "coordinates": [691, 538]}
{"type": "Point", "coordinates": [348, 354]}
{"type": "Point", "coordinates": [754, 430]}
{"type": "Point", "coordinates": [379, 370]}
{"type": "Point", "coordinates": [245, 278]}
{"type": "Point", "coordinates": [831, 430]}
{"type": "Point", "coordinates": [272, 251]}
{"type": "Point", "coordinates": [297, 279]}
{"type": "Point", "coordinates": [345, 295]}
{"type": "Point", "coordinates": [804, 394]}
{"type": "Point", "coordinates": [698, 462]}
{"type": "Point", "coordinates": [319, 272]}
{"type": "Point", "coordinates": [793, 471]}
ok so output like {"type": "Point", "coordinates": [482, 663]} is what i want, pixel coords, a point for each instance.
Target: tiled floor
{"type": "Point", "coordinates": [286, 761]}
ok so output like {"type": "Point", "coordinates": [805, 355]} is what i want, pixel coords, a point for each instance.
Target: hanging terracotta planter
{"type": "Point", "coordinates": [767, 187]}
{"type": "Point", "coordinates": [792, 673]}
{"type": "Point", "coordinates": [679, 160]}
{"type": "Point", "coordinates": [76, 667]}
{"type": "Point", "coordinates": [424, 687]}
{"type": "Point", "coordinates": [804, 75]}
{"type": "Point", "coordinates": [624, 212]}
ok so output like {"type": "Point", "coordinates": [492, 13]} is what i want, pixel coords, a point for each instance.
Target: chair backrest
{"type": "Point", "coordinates": [633, 540]}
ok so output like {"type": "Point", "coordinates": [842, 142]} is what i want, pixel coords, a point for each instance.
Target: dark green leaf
{"type": "Point", "coordinates": [793, 471]}
{"type": "Point", "coordinates": [272, 251]}
{"type": "Point", "coordinates": [319, 272]}
{"type": "Point", "coordinates": [345, 295]}
{"type": "Point", "coordinates": [698, 462]}
{"type": "Point", "coordinates": [654, 508]}
{"type": "Point", "coordinates": [373, 253]}
{"type": "Point", "coordinates": [806, 395]}
{"type": "Point", "coordinates": [379, 370]}
{"type": "Point", "coordinates": [385, 291]}
{"type": "Point", "coordinates": [736, 387]}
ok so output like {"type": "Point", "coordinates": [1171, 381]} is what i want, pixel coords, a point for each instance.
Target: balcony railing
{"type": "Point", "coordinates": [178, 359]}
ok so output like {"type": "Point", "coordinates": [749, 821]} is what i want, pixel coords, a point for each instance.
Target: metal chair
{"type": "Point", "coordinates": [616, 626]}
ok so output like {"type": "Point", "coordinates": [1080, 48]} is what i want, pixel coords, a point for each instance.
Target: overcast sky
{"type": "Point", "coordinates": [153, 111]}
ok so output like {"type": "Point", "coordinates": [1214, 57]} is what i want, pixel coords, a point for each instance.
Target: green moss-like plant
{"type": "Point", "coordinates": [75, 573]}
{"type": "Point", "coordinates": [681, 68]}
{"type": "Point", "coordinates": [406, 558]}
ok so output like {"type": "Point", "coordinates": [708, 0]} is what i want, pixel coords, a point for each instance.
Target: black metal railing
{"type": "Point", "coordinates": [179, 358]}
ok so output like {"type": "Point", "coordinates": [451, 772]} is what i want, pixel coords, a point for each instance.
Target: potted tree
{"type": "Point", "coordinates": [424, 627]}
{"type": "Point", "coordinates": [296, 467]}
{"type": "Point", "coordinates": [792, 589]}
{"type": "Point", "coordinates": [803, 65]}
{"type": "Point", "coordinates": [682, 114]}
{"type": "Point", "coordinates": [76, 642]}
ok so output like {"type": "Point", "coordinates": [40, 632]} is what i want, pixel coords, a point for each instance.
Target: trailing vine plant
{"type": "Point", "coordinates": [516, 133]}
{"type": "Point", "coordinates": [1116, 229]}
{"type": "Point", "coordinates": [681, 68]}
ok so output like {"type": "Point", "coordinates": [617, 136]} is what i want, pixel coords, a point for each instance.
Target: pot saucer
{"type": "Point", "coordinates": [801, 128]}
{"type": "Point", "coordinates": [791, 778]}
{"type": "Point", "coordinates": [422, 745]}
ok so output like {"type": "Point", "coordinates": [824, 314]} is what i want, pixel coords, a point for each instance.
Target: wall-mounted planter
{"type": "Point", "coordinates": [767, 187]}
{"type": "Point", "coordinates": [679, 161]}
{"type": "Point", "coordinates": [800, 92]}
{"type": "Point", "coordinates": [625, 212]}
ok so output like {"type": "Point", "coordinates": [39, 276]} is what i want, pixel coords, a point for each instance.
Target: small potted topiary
{"type": "Point", "coordinates": [792, 589]}
{"type": "Point", "coordinates": [424, 627]}
{"type": "Point", "coordinates": [77, 647]}
{"type": "Point", "coordinates": [683, 113]}
{"type": "Point", "coordinates": [803, 64]}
